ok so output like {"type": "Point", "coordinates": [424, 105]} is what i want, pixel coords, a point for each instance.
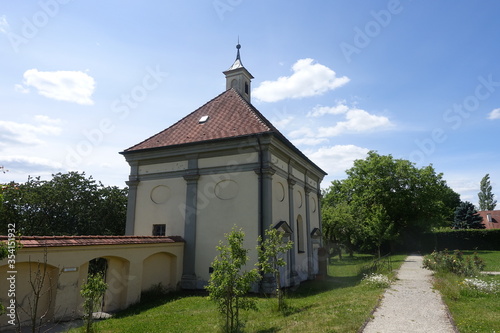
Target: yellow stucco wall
{"type": "Point", "coordinates": [132, 268]}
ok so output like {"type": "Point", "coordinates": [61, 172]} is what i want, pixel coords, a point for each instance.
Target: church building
{"type": "Point", "coordinates": [225, 165]}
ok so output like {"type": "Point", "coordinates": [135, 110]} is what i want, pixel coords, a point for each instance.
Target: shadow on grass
{"type": "Point", "coordinates": [269, 330]}
{"type": "Point", "coordinates": [154, 299]}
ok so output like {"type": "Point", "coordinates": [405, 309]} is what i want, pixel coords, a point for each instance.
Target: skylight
{"type": "Point", "coordinates": [203, 120]}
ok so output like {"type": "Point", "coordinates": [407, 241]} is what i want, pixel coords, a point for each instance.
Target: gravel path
{"type": "Point", "coordinates": [411, 305]}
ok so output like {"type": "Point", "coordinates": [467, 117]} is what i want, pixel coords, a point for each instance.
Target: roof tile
{"type": "Point", "coordinates": [229, 115]}
{"type": "Point", "coordinates": [55, 241]}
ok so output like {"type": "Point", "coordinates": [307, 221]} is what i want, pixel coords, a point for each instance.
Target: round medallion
{"type": "Point", "coordinates": [160, 194]}
{"type": "Point", "coordinates": [279, 191]}
{"type": "Point", "coordinates": [298, 199]}
{"type": "Point", "coordinates": [226, 189]}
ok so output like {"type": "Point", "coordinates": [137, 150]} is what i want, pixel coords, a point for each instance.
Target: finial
{"type": "Point", "coordinates": [238, 47]}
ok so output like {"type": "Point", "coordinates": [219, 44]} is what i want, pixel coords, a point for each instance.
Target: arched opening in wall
{"type": "Point", "coordinates": [300, 234]}
{"type": "Point", "coordinates": [35, 289]}
{"type": "Point", "coordinates": [234, 83]}
{"type": "Point", "coordinates": [159, 272]}
{"type": "Point", "coordinates": [115, 271]}
{"type": "Point", "coordinates": [98, 266]}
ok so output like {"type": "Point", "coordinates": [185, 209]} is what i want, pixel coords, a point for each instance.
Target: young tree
{"type": "Point", "coordinates": [466, 217]}
{"type": "Point", "coordinates": [42, 286]}
{"type": "Point", "coordinates": [271, 251]}
{"type": "Point", "coordinates": [92, 292]}
{"type": "Point", "coordinates": [229, 284]}
{"type": "Point", "coordinates": [486, 196]}
{"type": "Point", "coordinates": [378, 227]}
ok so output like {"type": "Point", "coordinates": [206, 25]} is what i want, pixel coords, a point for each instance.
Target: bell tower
{"type": "Point", "coordinates": [238, 77]}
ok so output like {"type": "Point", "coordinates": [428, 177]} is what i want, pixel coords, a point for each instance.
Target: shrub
{"type": "Point", "coordinates": [457, 263]}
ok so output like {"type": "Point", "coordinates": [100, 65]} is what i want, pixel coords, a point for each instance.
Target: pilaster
{"type": "Point", "coordinates": [188, 280]}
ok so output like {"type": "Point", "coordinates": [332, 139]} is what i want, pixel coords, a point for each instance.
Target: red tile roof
{"type": "Point", "coordinates": [229, 116]}
{"type": "Point", "coordinates": [495, 218]}
{"type": "Point", "coordinates": [54, 241]}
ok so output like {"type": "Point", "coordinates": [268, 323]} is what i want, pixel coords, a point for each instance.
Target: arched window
{"type": "Point", "coordinates": [300, 234]}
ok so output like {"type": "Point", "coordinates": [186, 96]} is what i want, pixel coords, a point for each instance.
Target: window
{"type": "Point", "coordinates": [159, 229]}
{"type": "Point", "coordinates": [300, 234]}
{"type": "Point", "coordinates": [488, 217]}
{"type": "Point", "coordinates": [246, 88]}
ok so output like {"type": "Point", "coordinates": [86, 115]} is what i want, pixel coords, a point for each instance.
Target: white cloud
{"type": "Point", "coordinates": [308, 79]}
{"type": "Point", "coordinates": [70, 86]}
{"type": "Point", "coordinates": [336, 159]}
{"type": "Point", "coordinates": [308, 141]}
{"type": "Point", "coordinates": [22, 89]}
{"type": "Point", "coordinates": [19, 163]}
{"type": "Point", "coordinates": [4, 25]}
{"type": "Point", "coordinates": [282, 122]}
{"type": "Point", "coordinates": [47, 120]}
{"type": "Point", "coordinates": [357, 121]}
{"type": "Point", "coordinates": [495, 114]}
{"type": "Point", "coordinates": [319, 110]}
{"type": "Point", "coordinates": [28, 134]}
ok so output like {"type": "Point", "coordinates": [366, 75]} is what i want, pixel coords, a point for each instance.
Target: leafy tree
{"type": "Point", "coordinates": [340, 226]}
{"type": "Point", "coordinates": [413, 199]}
{"type": "Point", "coordinates": [378, 227]}
{"type": "Point", "coordinates": [68, 204]}
{"type": "Point", "coordinates": [92, 292]}
{"type": "Point", "coordinates": [229, 284]}
{"type": "Point", "coordinates": [271, 251]}
{"type": "Point", "coordinates": [466, 217]}
{"type": "Point", "coordinates": [486, 196]}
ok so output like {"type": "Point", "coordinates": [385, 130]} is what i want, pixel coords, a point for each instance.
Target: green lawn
{"type": "Point", "coordinates": [472, 312]}
{"type": "Point", "coordinates": [339, 303]}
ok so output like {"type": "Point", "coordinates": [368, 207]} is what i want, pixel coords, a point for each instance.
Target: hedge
{"type": "Point", "coordinates": [469, 239]}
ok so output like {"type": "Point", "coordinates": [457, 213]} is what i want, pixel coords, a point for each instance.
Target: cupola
{"type": "Point", "coordinates": [238, 77]}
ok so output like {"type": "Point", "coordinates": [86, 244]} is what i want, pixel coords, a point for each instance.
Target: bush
{"type": "Point", "coordinates": [457, 263]}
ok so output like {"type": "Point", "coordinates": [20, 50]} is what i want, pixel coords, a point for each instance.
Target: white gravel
{"type": "Point", "coordinates": [411, 304]}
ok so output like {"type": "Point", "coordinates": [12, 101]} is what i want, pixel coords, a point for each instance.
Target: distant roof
{"type": "Point", "coordinates": [494, 216]}
{"type": "Point", "coordinates": [54, 241]}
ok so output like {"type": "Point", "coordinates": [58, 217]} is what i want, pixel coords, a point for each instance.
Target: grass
{"type": "Point", "coordinates": [340, 303]}
{"type": "Point", "coordinates": [472, 311]}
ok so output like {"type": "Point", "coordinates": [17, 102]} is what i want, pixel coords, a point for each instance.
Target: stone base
{"type": "Point", "coordinates": [189, 282]}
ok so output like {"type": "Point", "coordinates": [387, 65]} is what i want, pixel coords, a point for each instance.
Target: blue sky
{"type": "Point", "coordinates": [81, 81]}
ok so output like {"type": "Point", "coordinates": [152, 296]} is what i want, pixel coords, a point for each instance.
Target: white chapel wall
{"type": "Point", "coordinates": [160, 201]}
{"type": "Point", "coordinates": [225, 200]}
